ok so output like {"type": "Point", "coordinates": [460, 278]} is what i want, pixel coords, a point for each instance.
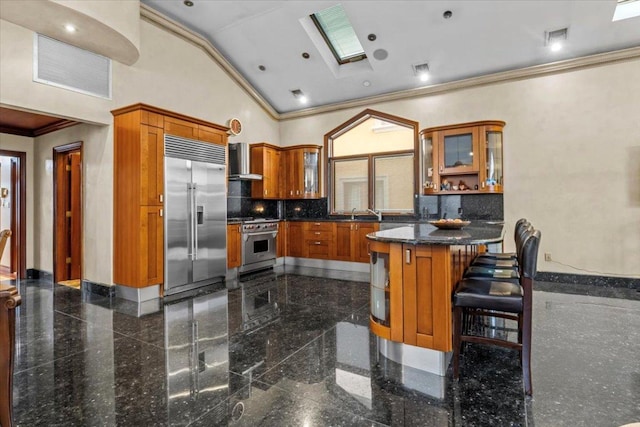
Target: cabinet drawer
{"type": "Point", "coordinates": [318, 235]}
{"type": "Point", "coordinates": [319, 226]}
{"type": "Point", "coordinates": [318, 249]}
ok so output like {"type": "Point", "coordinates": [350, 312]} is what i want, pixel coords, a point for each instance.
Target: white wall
{"type": "Point", "coordinates": [24, 144]}
{"type": "Point", "coordinates": [170, 74]}
{"type": "Point", "coordinates": [572, 158]}
{"type": "Point", "coordinates": [97, 191]}
{"type": "Point", "coordinates": [572, 146]}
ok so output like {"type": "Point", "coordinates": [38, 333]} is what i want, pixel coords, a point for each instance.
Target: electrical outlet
{"type": "Point", "coordinates": [547, 256]}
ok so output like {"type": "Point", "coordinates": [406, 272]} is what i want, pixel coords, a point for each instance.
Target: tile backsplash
{"type": "Point", "coordinates": [466, 206]}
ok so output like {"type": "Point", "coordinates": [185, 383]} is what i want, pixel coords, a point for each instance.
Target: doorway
{"type": "Point", "coordinates": [67, 214]}
{"type": "Point", "coordinates": [13, 212]}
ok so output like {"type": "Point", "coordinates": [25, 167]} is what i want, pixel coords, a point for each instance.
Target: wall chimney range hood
{"type": "Point", "coordinates": [239, 163]}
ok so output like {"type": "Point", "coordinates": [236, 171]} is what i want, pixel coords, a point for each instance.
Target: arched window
{"type": "Point", "coordinates": [372, 164]}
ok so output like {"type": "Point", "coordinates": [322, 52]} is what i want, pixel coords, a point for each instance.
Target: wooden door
{"type": "Point", "coordinates": [151, 166]}
{"type": "Point", "coordinates": [294, 174]}
{"type": "Point", "coordinates": [151, 238]}
{"type": "Point", "coordinates": [295, 239]}
{"type": "Point", "coordinates": [427, 296]}
{"type": "Point", "coordinates": [234, 249]}
{"type": "Point", "coordinates": [67, 252]}
{"type": "Point", "coordinates": [343, 249]}
{"type": "Point", "coordinates": [272, 170]}
{"type": "Point", "coordinates": [360, 241]}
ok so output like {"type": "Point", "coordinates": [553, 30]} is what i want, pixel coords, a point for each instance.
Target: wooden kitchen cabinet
{"type": "Point", "coordinates": [318, 238]}
{"type": "Point", "coordinates": [302, 172]}
{"type": "Point", "coordinates": [468, 152]}
{"type": "Point", "coordinates": [234, 246]}
{"type": "Point", "coordinates": [281, 243]}
{"type": "Point", "coordinates": [411, 293]}
{"type": "Point", "coordinates": [265, 161]}
{"type": "Point", "coordinates": [351, 243]}
{"type": "Point", "coordinates": [296, 239]}
{"type": "Point", "coordinates": [138, 169]}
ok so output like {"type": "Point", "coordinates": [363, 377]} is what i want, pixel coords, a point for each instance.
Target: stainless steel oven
{"type": "Point", "coordinates": [259, 238]}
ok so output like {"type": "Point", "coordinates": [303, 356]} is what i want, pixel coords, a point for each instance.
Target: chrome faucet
{"type": "Point", "coordinates": [377, 214]}
{"type": "Point", "coordinates": [353, 214]}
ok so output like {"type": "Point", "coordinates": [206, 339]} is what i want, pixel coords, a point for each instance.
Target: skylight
{"type": "Point", "coordinates": [337, 31]}
{"type": "Point", "coordinates": [626, 9]}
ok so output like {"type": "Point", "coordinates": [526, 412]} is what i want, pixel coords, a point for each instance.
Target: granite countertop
{"type": "Point", "coordinates": [478, 232]}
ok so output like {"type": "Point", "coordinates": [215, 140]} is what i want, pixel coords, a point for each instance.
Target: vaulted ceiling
{"type": "Point", "coordinates": [265, 42]}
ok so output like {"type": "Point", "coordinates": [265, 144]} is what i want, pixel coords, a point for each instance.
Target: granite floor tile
{"type": "Point", "coordinates": [293, 350]}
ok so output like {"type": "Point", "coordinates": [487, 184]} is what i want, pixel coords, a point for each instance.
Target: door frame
{"type": "Point", "coordinates": [18, 246]}
{"type": "Point", "coordinates": [57, 152]}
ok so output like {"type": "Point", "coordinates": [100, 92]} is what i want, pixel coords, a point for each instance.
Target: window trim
{"type": "Point", "coordinates": [347, 126]}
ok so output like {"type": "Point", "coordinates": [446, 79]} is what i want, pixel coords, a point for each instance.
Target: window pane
{"type": "Point", "coordinates": [393, 186]}
{"type": "Point", "coordinates": [373, 136]}
{"type": "Point", "coordinates": [351, 185]}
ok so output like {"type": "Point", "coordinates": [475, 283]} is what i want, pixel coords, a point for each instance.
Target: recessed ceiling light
{"type": "Point", "coordinates": [366, 83]}
{"type": "Point", "coordinates": [301, 97]}
{"type": "Point", "coordinates": [372, 37]}
{"type": "Point", "coordinates": [188, 3]}
{"type": "Point", "coordinates": [305, 55]}
{"type": "Point", "coordinates": [555, 39]}
{"type": "Point", "coordinates": [421, 71]}
{"type": "Point", "coordinates": [261, 67]}
{"type": "Point", "coordinates": [447, 14]}
{"type": "Point", "coordinates": [70, 28]}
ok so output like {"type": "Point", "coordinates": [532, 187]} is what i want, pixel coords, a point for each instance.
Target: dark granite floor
{"type": "Point", "coordinates": [292, 350]}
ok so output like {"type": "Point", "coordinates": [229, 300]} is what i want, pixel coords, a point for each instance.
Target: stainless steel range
{"type": "Point", "coordinates": [259, 238]}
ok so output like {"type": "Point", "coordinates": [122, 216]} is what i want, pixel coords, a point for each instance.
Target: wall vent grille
{"type": "Point", "coordinates": [62, 65]}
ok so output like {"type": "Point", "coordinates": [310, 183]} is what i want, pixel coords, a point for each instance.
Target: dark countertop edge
{"type": "Point", "coordinates": [390, 221]}
{"type": "Point", "coordinates": [425, 240]}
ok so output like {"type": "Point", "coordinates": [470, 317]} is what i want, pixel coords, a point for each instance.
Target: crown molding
{"type": "Point", "coordinates": [179, 30]}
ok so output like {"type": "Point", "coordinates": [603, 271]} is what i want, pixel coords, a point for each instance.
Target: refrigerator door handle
{"type": "Point", "coordinates": [194, 222]}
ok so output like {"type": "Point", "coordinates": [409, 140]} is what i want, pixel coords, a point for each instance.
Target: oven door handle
{"type": "Point", "coordinates": [264, 233]}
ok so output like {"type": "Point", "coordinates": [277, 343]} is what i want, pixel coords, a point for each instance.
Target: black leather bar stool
{"type": "Point", "coordinates": [502, 270]}
{"type": "Point", "coordinates": [501, 299]}
{"type": "Point", "coordinates": [508, 259]}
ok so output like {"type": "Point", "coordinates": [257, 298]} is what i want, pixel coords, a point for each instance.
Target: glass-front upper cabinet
{"type": "Point", "coordinates": [493, 155]}
{"type": "Point", "coordinates": [310, 163]}
{"type": "Point", "coordinates": [465, 157]}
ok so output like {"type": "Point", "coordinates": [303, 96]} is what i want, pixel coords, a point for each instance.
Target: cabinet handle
{"type": "Point", "coordinates": [317, 243]}
{"type": "Point", "coordinates": [317, 233]}
{"type": "Point", "coordinates": [265, 192]}
{"type": "Point", "coordinates": [161, 197]}
{"type": "Point", "coordinates": [357, 227]}
{"type": "Point", "coordinates": [316, 223]}
{"type": "Point", "coordinates": [161, 213]}
{"type": "Point", "coordinates": [368, 248]}
{"type": "Point", "coordinates": [441, 168]}
{"type": "Point", "coordinates": [351, 227]}
{"type": "Point", "coordinates": [407, 256]}
{"type": "Point", "coordinates": [291, 193]}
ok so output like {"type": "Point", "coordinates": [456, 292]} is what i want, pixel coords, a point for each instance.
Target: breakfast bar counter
{"type": "Point", "coordinates": [413, 272]}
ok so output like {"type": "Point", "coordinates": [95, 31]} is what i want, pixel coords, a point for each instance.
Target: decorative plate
{"type": "Point", "coordinates": [449, 225]}
{"type": "Point", "coordinates": [235, 126]}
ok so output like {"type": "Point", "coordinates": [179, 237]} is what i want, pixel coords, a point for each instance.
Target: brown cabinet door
{"type": "Point", "coordinates": [209, 134]}
{"type": "Point", "coordinates": [265, 161]}
{"type": "Point", "coordinates": [453, 158]}
{"type": "Point", "coordinates": [294, 174]}
{"type": "Point", "coordinates": [427, 296]}
{"type": "Point", "coordinates": [177, 127]}
{"type": "Point", "coordinates": [360, 242]}
{"type": "Point", "coordinates": [281, 240]}
{"type": "Point", "coordinates": [234, 254]}
{"type": "Point", "coordinates": [343, 247]}
{"type": "Point", "coordinates": [295, 240]}
{"type": "Point", "coordinates": [151, 238]}
{"type": "Point", "coordinates": [151, 166]}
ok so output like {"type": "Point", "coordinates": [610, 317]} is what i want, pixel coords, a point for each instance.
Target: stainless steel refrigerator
{"type": "Point", "coordinates": [195, 244]}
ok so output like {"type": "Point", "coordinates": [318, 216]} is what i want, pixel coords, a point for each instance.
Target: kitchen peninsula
{"type": "Point", "coordinates": [413, 272]}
